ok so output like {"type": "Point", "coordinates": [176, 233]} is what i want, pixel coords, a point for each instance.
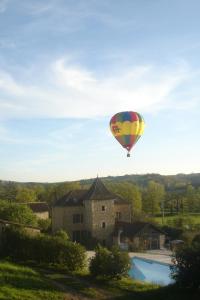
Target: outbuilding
{"type": "Point", "coordinates": [138, 236]}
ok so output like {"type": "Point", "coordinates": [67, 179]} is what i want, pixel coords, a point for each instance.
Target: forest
{"type": "Point", "coordinates": [152, 194]}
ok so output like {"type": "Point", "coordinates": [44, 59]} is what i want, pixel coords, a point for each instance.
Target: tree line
{"type": "Point", "coordinates": [172, 196]}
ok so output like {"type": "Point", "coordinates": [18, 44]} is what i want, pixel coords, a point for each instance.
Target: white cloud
{"type": "Point", "coordinates": [9, 85]}
{"type": "Point", "coordinates": [68, 90]}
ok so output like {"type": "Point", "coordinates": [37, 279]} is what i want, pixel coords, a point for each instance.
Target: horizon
{"type": "Point", "coordinates": [66, 69]}
{"type": "Point", "coordinates": [101, 177]}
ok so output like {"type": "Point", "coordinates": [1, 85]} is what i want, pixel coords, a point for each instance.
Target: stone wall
{"type": "Point", "coordinates": [100, 216]}
{"type": "Point", "coordinates": [42, 215]}
{"type": "Point", "coordinates": [95, 213]}
{"type": "Point", "coordinates": [68, 224]}
{"type": "Point", "coordinates": [125, 210]}
{"type": "Point", "coordinates": [88, 215]}
{"type": "Point", "coordinates": [62, 218]}
{"type": "Point", "coordinates": [162, 240]}
{"type": "Point", "coordinates": [57, 218]}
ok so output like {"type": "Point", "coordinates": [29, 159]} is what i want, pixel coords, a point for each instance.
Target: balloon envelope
{"type": "Point", "coordinates": [127, 127]}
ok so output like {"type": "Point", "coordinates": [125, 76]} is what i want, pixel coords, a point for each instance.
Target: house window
{"type": "Point", "coordinates": [103, 208]}
{"type": "Point", "coordinates": [81, 235]}
{"type": "Point", "coordinates": [118, 215]}
{"type": "Point", "coordinates": [103, 224]}
{"type": "Point", "coordinates": [76, 236]}
{"type": "Point", "coordinates": [85, 234]}
{"type": "Point", "coordinates": [78, 218]}
{"type": "Point", "coordinates": [104, 243]}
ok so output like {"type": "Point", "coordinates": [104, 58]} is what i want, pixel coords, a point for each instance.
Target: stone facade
{"type": "Point", "coordinates": [103, 216]}
{"type": "Point", "coordinates": [62, 218]}
{"type": "Point", "coordinates": [90, 213]}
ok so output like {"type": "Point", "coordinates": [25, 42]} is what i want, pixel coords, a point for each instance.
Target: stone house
{"type": "Point", "coordinates": [99, 214]}
{"type": "Point", "coordinates": [90, 213]}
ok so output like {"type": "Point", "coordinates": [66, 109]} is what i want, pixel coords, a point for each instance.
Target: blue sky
{"type": "Point", "coordinates": [67, 66]}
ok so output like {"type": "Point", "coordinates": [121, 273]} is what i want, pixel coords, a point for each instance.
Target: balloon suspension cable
{"type": "Point", "coordinates": [128, 154]}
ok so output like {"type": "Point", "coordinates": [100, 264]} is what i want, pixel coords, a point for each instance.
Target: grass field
{"type": "Point", "coordinates": [124, 289]}
{"type": "Point", "coordinates": [17, 282]}
{"type": "Point", "coordinates": [23, 283]}
{"type": "Point", "coordinates": [194, 218]}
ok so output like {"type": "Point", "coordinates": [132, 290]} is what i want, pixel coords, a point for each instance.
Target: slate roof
{"type": "Point", "coordinates": [97, 191]}
{"type": "Point", "coordinates": [72, 198]}
{"type": "Point", "coordinates": [132, 229]}
{"type": "Point", "coordinates": [38, 207]}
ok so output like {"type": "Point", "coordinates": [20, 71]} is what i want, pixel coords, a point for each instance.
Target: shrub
{"type": "Point", "coordinates": [172, 232]}
{"type": "Point", "coordinates": [62, 234]}
{"type": "Point", "coordinates": [45, 249]}
{"type": "Point", "coordinates": [196, 239]}
{"type": "Point", "coordinates": [44, 225]}
{"type": "Point", "coordinates": [89, 242]}
{"type": "Point", "coordinates": [186, 268]}
{"type": "Point", "coordinates": [14, 212]}
{"type": "Point", "coordinates": [112, 264]}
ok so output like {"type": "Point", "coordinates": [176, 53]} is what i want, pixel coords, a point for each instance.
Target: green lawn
{"type": "Point", "coordinates": [124, 289]}
{"type": "Point", "coordinates": [194, 218]}
{"type": "Point", "coordinates": [22, 283]}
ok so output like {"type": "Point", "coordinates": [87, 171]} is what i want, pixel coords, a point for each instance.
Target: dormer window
{"type": "Point", "coordinates": [103, 208]}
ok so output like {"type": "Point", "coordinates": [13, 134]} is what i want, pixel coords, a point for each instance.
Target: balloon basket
{"type": "Point", "coordinates": [128, 155]}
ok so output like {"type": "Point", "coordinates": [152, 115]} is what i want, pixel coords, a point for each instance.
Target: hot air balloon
{"type": "Point", "coordinates": [127, 127]}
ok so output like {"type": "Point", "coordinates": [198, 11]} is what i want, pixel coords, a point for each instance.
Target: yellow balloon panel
{"type": "Point", "coordinates": [126, 128]}
{"type": "Point", "coordinates": [141, 128]}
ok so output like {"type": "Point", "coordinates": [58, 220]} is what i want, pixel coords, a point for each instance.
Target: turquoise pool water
{"type": "Point", "coordinates": [150, 271]}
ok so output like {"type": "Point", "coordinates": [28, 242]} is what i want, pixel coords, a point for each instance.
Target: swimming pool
{"type": "Point", "coordinates": [150, 271]}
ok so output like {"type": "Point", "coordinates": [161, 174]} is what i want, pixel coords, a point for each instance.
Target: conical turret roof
{"type": "Point", "coordinates": [98, 191]}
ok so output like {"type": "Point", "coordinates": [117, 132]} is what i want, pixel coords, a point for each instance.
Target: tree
{"type": "Point", "coordinates": [39, 190]}
{"type": "Point", "coordinates": [8, 191]}
{"type": "Point", "coordinates": [62, 234]}
{"type": "Point", "coordinates": [18, 213]}
{"type": "Point", "coordinates": [129, 192]}
{"type": "Point", "coordinates": [111, 264]}
{"type": "Point", "coordinates": [196, 239]}
{"type": "Point", "coordinates": [55, 191]}
{"type": "Point", "coordinates": [176, 202]}
{"type": "Point", "coordinates": [153, 198]}
{"type": "Point", "coordinates": [186, 268]}
{"type": "Point", "coordinates": [190, 195]}
{"type": "Point", "coordinates": [18, 245]}
{"type": "Point", "coordinates": [26, 195]}
{"type": "Point", "coordinates": [64, 187]}
{"type": "Point", "coordinates": [44, 225]}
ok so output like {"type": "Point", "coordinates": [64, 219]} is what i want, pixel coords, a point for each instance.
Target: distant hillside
{"type": "Point", "coordinates": [169, 181]}
{"type": "Point", "coordinates": [182, 191]}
